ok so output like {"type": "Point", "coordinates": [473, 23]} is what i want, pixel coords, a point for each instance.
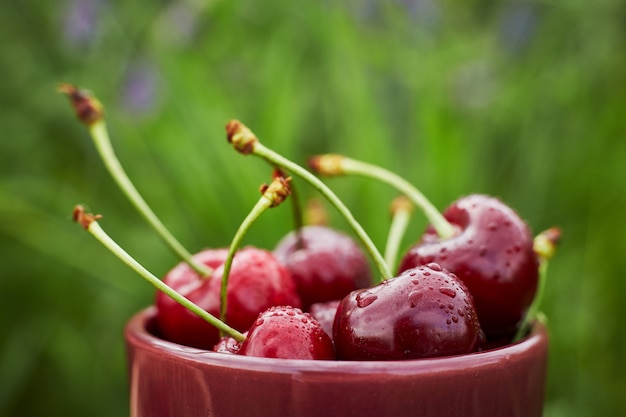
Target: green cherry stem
{"type": "Point", "coordinates": [334, 165]}
{"type": "Point", "coordinates": [246, 142]}
{"type": "Point", "coordinates": [90, 112]}
{"type": "Point", "coordinates": [545, 246]}
{"type": "Point", "coordinates": [90, 223]}
{"type": "Point", "coordinates": [401, 211]}
{"type": "Point", "coordinates": [272, 195]}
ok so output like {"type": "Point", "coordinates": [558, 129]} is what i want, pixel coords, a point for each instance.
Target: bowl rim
{"type": "Point", "coordinates": [138, 336]}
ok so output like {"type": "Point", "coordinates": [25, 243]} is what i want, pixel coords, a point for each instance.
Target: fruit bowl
{"type": "Point", "coordinates": [168, 379]}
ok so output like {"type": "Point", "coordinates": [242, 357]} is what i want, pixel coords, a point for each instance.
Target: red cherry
{"type": "Point", "coordinates": [324, 313]}
{"type": "Point", "coordinates": [492, 253]}
{"type": "Point", "coordinates": [256, 282]}
{"type": "Point", "coordinates": [175, 322]}
{"type": "Point", "coordinates": [287, 333]}
{"type": "Point", "coordinates": [325, 264]}
{"type": "Point", "coordinates": [424, 312]}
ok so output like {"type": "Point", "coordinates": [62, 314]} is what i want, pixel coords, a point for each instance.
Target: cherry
{"type": "Point", "coordinates": [287, 333]}
{"type": "Point", "coordinates": [256, 282]}
{"type": "Point", "coordinates": [491, 252]}
{"type": "Point", "coordinates": [325, 264]}
{"type": "Point", "coordinates": [423, 312]}
{"type": "Point", "coordinates": [175, 322]}
{"type": "Point", "coordinates": [324, 313]}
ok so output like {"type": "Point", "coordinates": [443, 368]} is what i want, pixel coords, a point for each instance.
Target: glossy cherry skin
{"type": "Point", "coordinates": [175, 322]}
{"type": "Point", "coordinates": [492, 253]}
{"type": "Point", "coordinates": [257, 281]}
{"type": "Point", "coordinates": [324, 313]}
{"type": "Point", "coordinates": [422, 313]}
{"type": "Point", "coordinates": [287, 333]}
{"type": "Point", "coordinates": [327, 266]}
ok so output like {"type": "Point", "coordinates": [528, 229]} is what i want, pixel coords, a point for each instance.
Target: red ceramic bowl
{"type": "Point", "coordinates": [167, 379]}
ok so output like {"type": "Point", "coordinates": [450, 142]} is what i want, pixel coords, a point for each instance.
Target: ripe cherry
{"type": "Point", "coordinates": [324, 313]}
{"type": "Point", "coordinates": [257, 281]}
{"type": "Point", "coordinates": [175, 322]}
{"type": "Point", "coordinates": [287, 333]}
{"type": "Point", "coordinates": [325, 263]}
{"type": "Point", "coordinates": [492, 253]}
{"type": "Point", "coordinates": [424, 312]}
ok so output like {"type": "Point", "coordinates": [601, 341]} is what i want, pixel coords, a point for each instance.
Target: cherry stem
{"type": "Point", "coordinates": [245, 142]}
{"type": "Point", "coordinates": [401, 210]}
{"type": "Point", "coordinates": [334, 165]}
{"type": "Point", "coordinates": [544, 246]}
{"type": "Point", "coordinates": [296, 210]}
{"type": "Point", "coordinates": [272, 195]}
{"type": "Point", "coordinates": [90, 223]}
{"type": "Point", "coordinates": [85, 104]}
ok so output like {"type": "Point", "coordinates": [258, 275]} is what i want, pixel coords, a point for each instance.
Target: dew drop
{"type": "Point", "coordinates": [461, 312]}
{"type": "Point", "coordinates": [364, 299]}
{"type": "Point", "coordinates": [447, 291]}
{"type": "Point", "coordinates": [434, 266]}
{"type": "Point", "coordinates": [414, 298]}
{"type": "Point", "coordinates": [259, 322]}
{"type": "Point", "coordinates": [492, 226]}
{"type": "Point", "coordinates": [448, 321]}
{"type": "Point", "coordinates": [426, 273]}
{"type": "Point", "coordinates": [415, 281]}
{"type": "Point", "coordinates": [482, 250]}
{"type": "Point", "coordinates": [455, 319]}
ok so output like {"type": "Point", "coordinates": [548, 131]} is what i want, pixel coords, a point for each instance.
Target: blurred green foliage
{"type": "Point", "coordinates": [519, 99]}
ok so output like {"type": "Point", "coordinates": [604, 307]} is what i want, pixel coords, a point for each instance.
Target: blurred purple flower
{"type": "Point", "coordinates": [517, 24]}
{"type": "Point", "coordinates": [80, 21]}
{"type": "Point", "coordinates": [139, 87]}
{"type": "Point", "coordinates": [424, 12]}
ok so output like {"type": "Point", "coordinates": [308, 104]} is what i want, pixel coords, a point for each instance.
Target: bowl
{"type": "Point", "coordinates": [167, 379]}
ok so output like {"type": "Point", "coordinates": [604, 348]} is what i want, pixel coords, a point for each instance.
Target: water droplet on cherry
{"type": "Point", "coordinates": [414, 297]}
{"type": "Point", "coordinates": [434, 266]}
{"type": "Point", "coordinates": [447, 291]}
{"type": "Point", "coordinates": [365, 298]}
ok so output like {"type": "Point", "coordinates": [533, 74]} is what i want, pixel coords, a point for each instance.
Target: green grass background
{"type": "Point", "coordinates": [524, 100]}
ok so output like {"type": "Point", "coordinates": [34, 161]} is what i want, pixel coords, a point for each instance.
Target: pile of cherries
{"type": "Point", "coordinates": [314, 296]}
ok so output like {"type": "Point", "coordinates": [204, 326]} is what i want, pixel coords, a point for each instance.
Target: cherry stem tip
{"type": "Point", "coordinates": [88, 109]}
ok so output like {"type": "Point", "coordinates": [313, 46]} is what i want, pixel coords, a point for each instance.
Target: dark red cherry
{"type": "Point", "coordinates": [492, 253]}
{"type": "Point", "coordinates": [326, 264]}
{"type": "Point", "coordinates": [424, 312]}
{"type": "Point", "coordinates": [287, 333]}
{"type": "Point", "coordinates": [175, 322]}
{"type": "Point", "coordinates": [324, 313]}
{"type": "Point", "coordinates": [257, 281]}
